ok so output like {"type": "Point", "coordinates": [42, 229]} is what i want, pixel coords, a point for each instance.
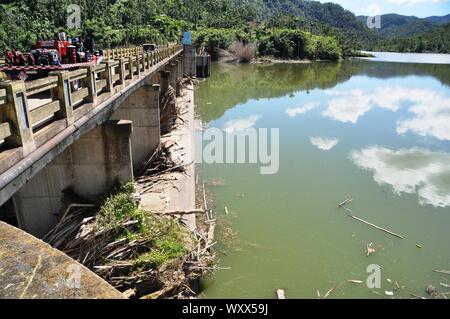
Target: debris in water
{"type": "Point", "coordinates": [281, 294]}
{"type": "Point", "coordinates": [353, 281]}
{"type": "Point", "coordinates": [226, 210]}
{"type": "Point", "coordinates": [370, 249]}
{"type": "Point", "coordinates": [216, 182]}
{"type": "Point", "coordinates": [389, 293]}
{"type": "Point", "coordinates": [431, 290]}
{"type": "Point", "coordinates": [419, 246]}
{"type": "Point", "coordinates": [327, 294]}
{"type": "Point", "coordinates": [342, 205]}
{"type": "Point", "coordinates": [445, 272]}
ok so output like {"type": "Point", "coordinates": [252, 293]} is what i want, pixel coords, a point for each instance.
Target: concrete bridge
{"type": "Point", "coordinates": [85, 130]}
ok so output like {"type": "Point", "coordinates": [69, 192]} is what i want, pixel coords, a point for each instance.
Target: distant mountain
{"type": "Point", "coordinates": [439, 20]}
{"type": "Point", "coordinates": [330, 14]}
{"type": "Point", "coordinates": [400, 26]}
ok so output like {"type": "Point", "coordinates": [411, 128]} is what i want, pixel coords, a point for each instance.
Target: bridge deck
{"type": "Point", "coordinates": [39, 119]}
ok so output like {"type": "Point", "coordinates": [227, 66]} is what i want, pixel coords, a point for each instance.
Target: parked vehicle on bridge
{"type": "Point", "coordinates": [149, 47]}
{"type": "Point", "coordinates": [61, 53]}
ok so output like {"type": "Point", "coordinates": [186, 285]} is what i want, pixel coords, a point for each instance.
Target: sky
{"type": "Point", "coordinates": [418, 8]}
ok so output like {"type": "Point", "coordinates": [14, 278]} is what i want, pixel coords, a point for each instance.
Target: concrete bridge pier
{"type": "Point", "coordinates": [99, 161]}
{"type": "Point", "coordinates": [164, 81]}
{"type": "Point", "coordinates": [142, 108]}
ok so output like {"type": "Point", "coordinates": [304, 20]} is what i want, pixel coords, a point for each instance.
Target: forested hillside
{"type": "Point", "coordinates": [283, 28]}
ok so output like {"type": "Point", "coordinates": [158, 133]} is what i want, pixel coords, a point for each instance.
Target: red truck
{"type": "Point", "coordinates": [62, 53]}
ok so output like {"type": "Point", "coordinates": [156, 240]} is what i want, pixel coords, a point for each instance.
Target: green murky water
{"type": "Point", "coordinates": [376, 132]}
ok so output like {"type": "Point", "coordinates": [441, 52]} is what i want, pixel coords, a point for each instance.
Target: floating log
{"type": "Point", "coordinates": [445, 272]}
{"type": "Point", "coordinates": [417, 297]}
{"type": "Point", "coordinates": [377, 227]}
{"type": "Point", "coordinates": [355, 281]}
{"type": "Point", "coordinates": [347, 201]}
{"type": "Point", "coordinates": [328, 293]}
{"type": "Point", "coordinates": [281, 294]}
{"type": "Point", "coordinates": [445, 285]}
{"type": "Point", "coordinates": [226, 210]}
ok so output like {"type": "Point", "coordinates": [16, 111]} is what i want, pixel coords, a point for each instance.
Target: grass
{"type": "Point", "coordinates": [167, 239]}
{"type": "Point", "coordinates": [163, 252]}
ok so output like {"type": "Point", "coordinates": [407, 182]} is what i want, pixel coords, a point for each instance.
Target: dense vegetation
{"type": "Point", "coordinates": [436, 40]}
{"type": "Point", "coordinates": [282, 28]}
{"type": "Point", "coordinates": [412, 34]}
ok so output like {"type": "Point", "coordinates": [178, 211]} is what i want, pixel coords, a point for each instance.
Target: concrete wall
{"type": "Point", "coordinates": [142, 108]}
{"type": "Point", "coordinates": [189, 61]}
{"type": "Point", "coordinates": [91, 167]}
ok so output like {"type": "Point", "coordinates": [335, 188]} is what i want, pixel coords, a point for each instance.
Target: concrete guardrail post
{"type": "Point", "coordinates": [108, 76]}
{"type": "Point", "coordinates": [15, 111]}
{"type": "Point", "coordinates": [122, 72]}
{"type": "Point", "coordinates": [63, 93]}
{"type": "Point", "coordinates": [91, 83]}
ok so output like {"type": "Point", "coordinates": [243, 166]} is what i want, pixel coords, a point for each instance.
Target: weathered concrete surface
{"type": "Point", "coordinates": [190, 64]}
{"type": "Point", "coordinates": [20, 173]}
{"type": "Point", "coordinates": [142, 108]}
{"type": "Point", "coordinates": [179, 193]}
{"type": "Point", "coordinates": [92, 166]}
{"type": "Point", "coordinates": [31, 269]}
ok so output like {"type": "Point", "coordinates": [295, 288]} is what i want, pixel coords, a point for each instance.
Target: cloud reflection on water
{"type": "Point", "coordinates": [323, 143]}
{"type": "Point", "coordinates": [430, 109]}
{"type": "Point", "coordinates": [411, 171]}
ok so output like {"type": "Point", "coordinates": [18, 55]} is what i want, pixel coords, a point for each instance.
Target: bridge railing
{"type": "Point", "coordinates": [5, 127]}
{"type": "Point", "coordinates": [33, 112]}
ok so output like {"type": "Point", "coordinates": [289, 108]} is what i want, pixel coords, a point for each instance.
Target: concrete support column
{"type": "Point", "coordinates": [164, 83]}
{"type": "Point", "coordinates": [173, 74]}
{"type": "Point", "coordinates": [179, 75]}
{"type": "Point", "coordinates": [142, 109]}
{"type": "Point", "coordinates": [40, 201]}
{"type": "Point", "coordinates": [92, 167]}
{"type": "Point", "coordinates": [189, 64]}
{"type": "Point", "coordinates": [102, 159]}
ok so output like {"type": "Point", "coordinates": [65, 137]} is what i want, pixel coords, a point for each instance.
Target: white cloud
{"type": "Point", "coordinates": [373, 10]}
{"type": "Point", "coordinates": [241, 124]}
{"type": "Point", "coordinates": [413, 2]}
{"type": "Point", "coordinates": [323, 143]}
{"type": "Point", "coordinates": [412, 171]}
{"type": "Point", "coordinates": [293, 112]}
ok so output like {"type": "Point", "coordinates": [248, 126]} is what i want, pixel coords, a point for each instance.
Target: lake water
{"type": "Point", "coordinates": [429, 58]}
{"type": "Point", "coordinates": [376, 132]}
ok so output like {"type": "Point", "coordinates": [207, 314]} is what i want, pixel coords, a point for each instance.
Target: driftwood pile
{"type": "Point", "coordinates": [153, 171]}
{"type": "Point", "coordinates": [114, 258]}
{"type": "Point", "coordinates": [102, 247]}
{"type": "Point", "coordinates": [169, 112]}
